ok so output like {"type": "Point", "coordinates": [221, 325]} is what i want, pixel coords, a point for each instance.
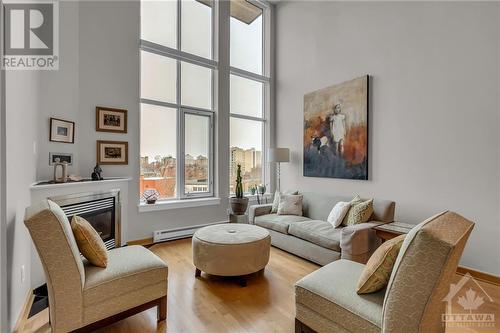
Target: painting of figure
{"type": "Point", "coordinates": [336, 131]}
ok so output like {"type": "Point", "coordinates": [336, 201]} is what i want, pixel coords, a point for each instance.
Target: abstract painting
{"type": "Point", "coordinates": [336, 131]}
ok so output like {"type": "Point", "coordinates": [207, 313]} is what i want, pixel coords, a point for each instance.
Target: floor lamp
{"type": "Point", "coordinates": [278, 155]}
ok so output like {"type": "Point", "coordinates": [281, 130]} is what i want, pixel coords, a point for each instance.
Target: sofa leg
{"type": "Point", "coordinates": [197, 273]}
{"type": "Point", "coordinates": [302, 328]}
{"type": "Point", "coordinates": [162, 309]}
{"type": "Point", "coordinates": [298, 326]}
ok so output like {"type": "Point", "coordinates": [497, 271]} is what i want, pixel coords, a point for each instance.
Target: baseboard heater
{"type": "Point", "coordinates": [173, 234]}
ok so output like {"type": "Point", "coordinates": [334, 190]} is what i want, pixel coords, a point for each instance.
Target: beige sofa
{"type": "Point", "coordinates": [83, 297]}
{"type": "Point", "coordinates": [326, 300]}
{"type": "Point", "coordinates": [311, 237]}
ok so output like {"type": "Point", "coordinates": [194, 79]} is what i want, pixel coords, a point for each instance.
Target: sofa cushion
{"type": "Point", "coordinates": [279, 223]}
{"type": "Point", "coordinates": [290, 204]}
{"type": "Point", "coordinates": [129, 268]}
{"type": "Point", "coordinates": [276, 200]}
{"type": "Point", "coordinates": [318, 232]}
{"type": "Point", "coordinates": [317, 206]}
{"type": "Point", "coordinates": [331, 292]}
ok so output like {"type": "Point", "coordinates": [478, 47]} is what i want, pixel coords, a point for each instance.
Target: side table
{"type": "Point", "coordinates": [390, 230]}
{"type": "Point", "coordinates": [238, 218]}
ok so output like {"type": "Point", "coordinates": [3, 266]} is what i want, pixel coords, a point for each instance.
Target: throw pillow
{"type": "Point", "coordinates": [338, 213]}
{"type": "Point", "coordinates": [379, 267]}
{"type": "Point", "coordinates": [359, 212]}
{"type": "Point", "coordinates": [89, 242]}
{"type": "Point", "coordinates": [290, 204]}
{"type": "Point", "coordinates": [356, 200]}
{"type": "Point", "coordinates": [276, 200]}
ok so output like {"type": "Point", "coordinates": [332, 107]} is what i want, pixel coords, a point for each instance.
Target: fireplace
{"type": "Point", "coordinates": [100, 209]}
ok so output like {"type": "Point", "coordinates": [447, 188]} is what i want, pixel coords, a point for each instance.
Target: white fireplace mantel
{"type": "Point", "coordinates": [36, 186]}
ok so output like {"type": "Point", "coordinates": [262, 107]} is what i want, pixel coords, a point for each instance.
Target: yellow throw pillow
{"type": "Point", "coordinates": [89, 242]}
{"type": "Point", "coordinates": [379, 267]}
{"type": "Point", "coordinates": [359, 212]}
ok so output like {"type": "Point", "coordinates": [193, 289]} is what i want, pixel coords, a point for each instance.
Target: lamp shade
{"type": "Point", "coordinates": [278, 155]}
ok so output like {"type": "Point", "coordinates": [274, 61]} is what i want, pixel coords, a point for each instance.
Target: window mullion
{"type": "Point", "coordinates": [265, 143]}
{"type": "Point", "coordinates": [166, 51]}
{"type": "Point", "coordinates": [179, 23]}
{"type": "Point", "coordinates": [180, 116]}
{"type": "Point", "coordinates": [181, 160]}
{"type": "Point", "coordinates": [159, 103]}
{"type": "Point", "coordinates": [241, 116]}
{"type": "Point", "coordinates": [180, 136]}
{"type": "Point", "coordinates": [249, 75]}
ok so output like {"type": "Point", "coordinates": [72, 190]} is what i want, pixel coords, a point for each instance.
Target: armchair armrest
{"type": "Point", "coordinates": [358, 241]}
{"type": "Point", "coordinates": [257, 210]}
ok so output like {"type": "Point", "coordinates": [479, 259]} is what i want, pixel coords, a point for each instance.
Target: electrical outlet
{"type": "Point", "coordinates": [228, 211]}
{"type": "Point", "coordinates": [23, 274]}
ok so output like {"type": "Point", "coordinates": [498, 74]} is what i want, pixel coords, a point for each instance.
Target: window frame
{"type": "Point", "coordinates": [180, 56]}
{"type": "Point", "coordinates": [182, 146]}
{"type": "Point", "coordinates": [218, 91]}
{"type": "Point", "coordinates": [265, 79]}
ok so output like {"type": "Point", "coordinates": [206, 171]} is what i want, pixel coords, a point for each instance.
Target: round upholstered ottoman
{"type": "Point", "coordinates": [231, 250]}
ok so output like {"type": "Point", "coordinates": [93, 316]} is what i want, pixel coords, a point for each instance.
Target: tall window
{"type": "Point", "coordinates": [249, 86]}
{"type": "Point", "coordinates": [177, 98]}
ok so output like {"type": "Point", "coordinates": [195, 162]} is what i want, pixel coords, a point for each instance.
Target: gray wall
{"type": "Point", "coordinates": [59, 96]}
{"type": "Point", "coordinates": [22, 100]}
{"type": "Point", "coordinates": [99, 48]}
{"type": "Point", "coordinates": [434, 122]}
{"type": "Point", "coordinates": [3, 226]}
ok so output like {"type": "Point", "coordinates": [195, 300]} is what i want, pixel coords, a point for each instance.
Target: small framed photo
{"type": "Point", "coordinates": [63, 157]}
{"type": "Point", "coordinates": [62, 131]}
{"type": "Point", "coordinates": [112, 152]}
{"type": "Point", "coordinates": [110, 120]}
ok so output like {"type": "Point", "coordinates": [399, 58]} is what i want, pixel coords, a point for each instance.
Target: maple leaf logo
{"type": "Point", "coordinates": [471, 301]}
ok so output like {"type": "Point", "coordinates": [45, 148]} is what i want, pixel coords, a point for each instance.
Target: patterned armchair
{"type": "Point", "coordinates": [84, 297]}
{"type": "Point", "coordinates": [326, 300]}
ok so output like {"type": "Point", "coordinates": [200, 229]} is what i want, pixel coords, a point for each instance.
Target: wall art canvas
{"type": "Point", "coordinates": [336, 131]}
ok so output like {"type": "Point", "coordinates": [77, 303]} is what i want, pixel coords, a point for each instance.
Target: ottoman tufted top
{"type": "Point", "coordinates": [231, 233]}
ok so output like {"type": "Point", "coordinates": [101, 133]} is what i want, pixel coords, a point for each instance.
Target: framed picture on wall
{"type": "Point", "coordinates": [60, 157]}
{"type": "Point", "coordinates": [62, 130]}
{"type": "Point", "coordinates": [112, 152]}
{"type": "Point", "coordinates": [110, 120]}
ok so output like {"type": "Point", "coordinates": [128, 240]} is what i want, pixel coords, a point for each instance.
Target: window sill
{"type": "Point", "coordinates": [253, 196]}
{"type": "Point", "coordinates": [177, 204]}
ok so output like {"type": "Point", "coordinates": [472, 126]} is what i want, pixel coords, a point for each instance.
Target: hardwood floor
{"type": "Point", "coordinates": [214, 304]}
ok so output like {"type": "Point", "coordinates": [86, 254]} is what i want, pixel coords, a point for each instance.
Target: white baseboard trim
{"type": "Point", "coordinates": [24, 312]}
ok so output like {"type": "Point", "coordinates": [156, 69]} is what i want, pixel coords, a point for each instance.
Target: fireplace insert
{"type": "Point", "coordinates": [100, 209]}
